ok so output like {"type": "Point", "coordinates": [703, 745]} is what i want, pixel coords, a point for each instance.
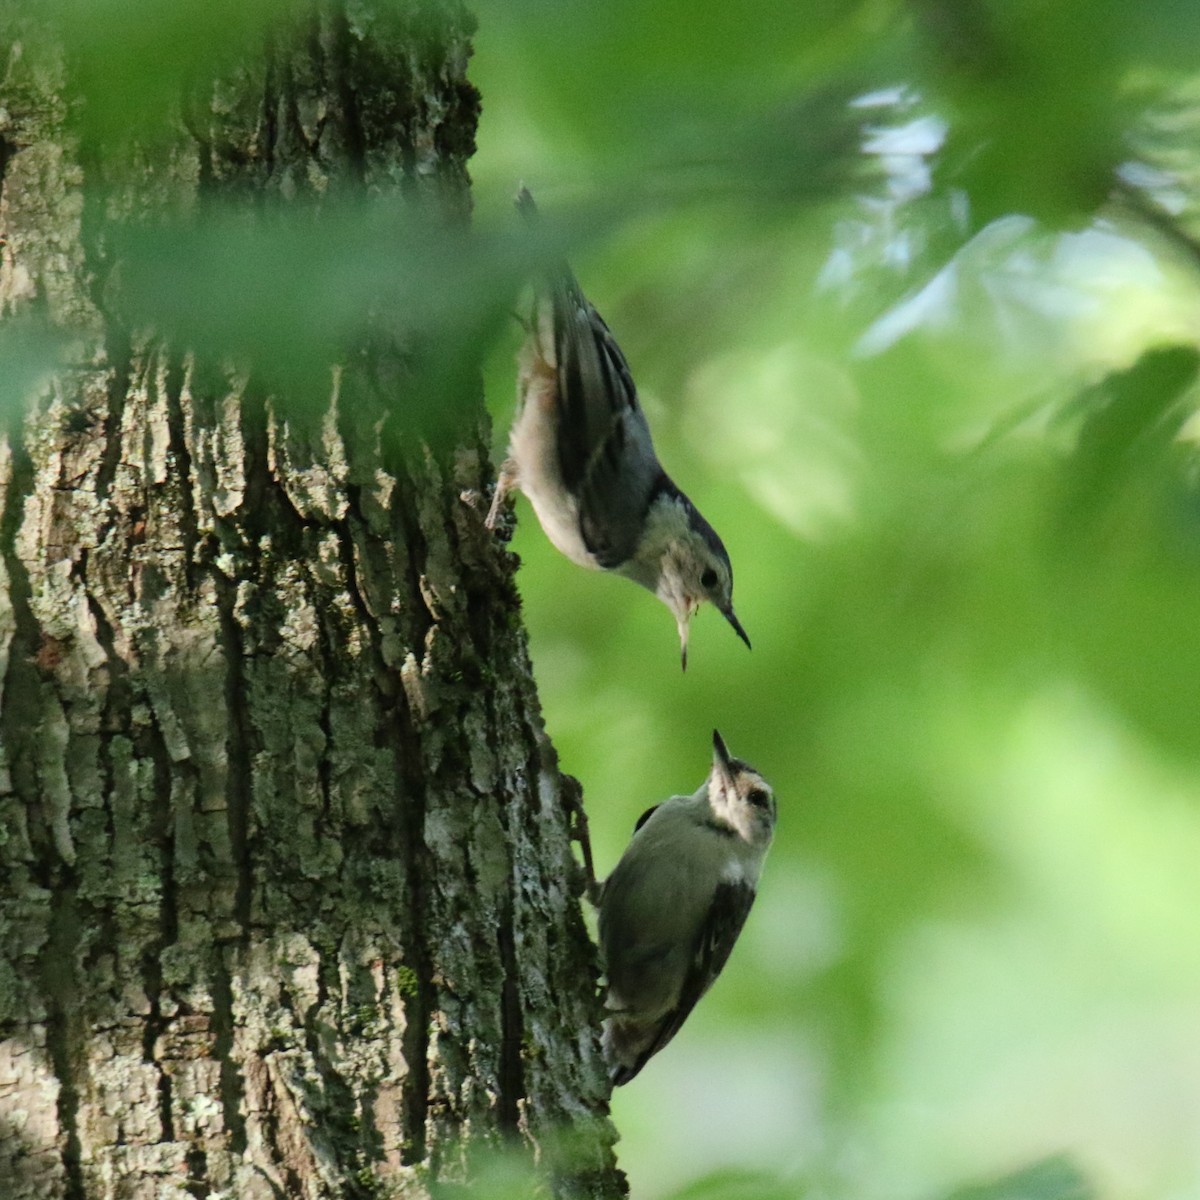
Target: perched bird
{"type": "Point", "coordinates": [580, 449]}
{"type": "Point", "coordinates": [674, 906]}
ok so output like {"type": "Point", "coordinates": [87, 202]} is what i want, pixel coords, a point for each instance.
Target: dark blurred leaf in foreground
{"type": "Point", "coordinates": [1056, 1178]}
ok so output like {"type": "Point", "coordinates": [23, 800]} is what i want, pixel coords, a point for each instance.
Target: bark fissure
{"type": "Point", "coordinates": [512, 1070]}
{"type": "Point", "coordinates": [160, 828]}
{"type": "Point", "coordinates": [239, 799]}
{"type": "Point", "coordinates": [197, 1170]}
{"type": "Point", "coordinates": [231, 1085]}
{"type": "Point", "coordinates": [155, 1026]}
{"type": "Point", "coordinates": [7, 150]}
{"type": "Point", "coordinates": [60, 992]}
{"type": "Point", "coordinates": [407, 523]}
{"type": "Point", "coordinates": [421, 993]}
{"type": "Point", "coordinates": [239, 751]}
{"type": "Point", "coordinates": [353, 134]}
{"type": "Point", "coordinates": [173, 382]}
{"type": "Point", "coordinates": [239, 745]}
{"type": "Point", "coordinates": [352, 533]}
{"type": "Point", "coordinates": [342, 1129]}
{"type": "Point", "coordinates": [21, 684]}
{"type": "Point", "coordinates": [324, 717]}
{"type": "Point", "coordinates": [160, 831]}
{"type": "Point", "coordinates": [119, 355]}
{"type": "Point", "coordinates": [271, 97]}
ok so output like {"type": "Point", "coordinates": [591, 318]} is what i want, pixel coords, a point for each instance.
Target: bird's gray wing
{"type": "Point", "coordinates": [646, 816]}
{"type": "Point", "coordinates": [726, 915]}
{"type": "Point", "coordinates": [605, 453]}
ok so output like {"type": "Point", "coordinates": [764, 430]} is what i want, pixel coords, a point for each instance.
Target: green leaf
{"type": "Point", "coordinates": [1056, 1178]}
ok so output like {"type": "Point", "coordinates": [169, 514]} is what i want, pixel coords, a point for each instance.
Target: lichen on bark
{"type": "Point", "coordinates": [289, 902]}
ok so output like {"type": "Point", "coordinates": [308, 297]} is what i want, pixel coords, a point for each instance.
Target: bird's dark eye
{"type": "Point", "coordinates": [758, 798]}
{"type": "Point", "coordinates": [708, 580]}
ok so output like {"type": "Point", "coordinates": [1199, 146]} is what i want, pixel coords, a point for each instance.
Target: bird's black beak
{"type": "Point", "coordinates": [722, 778]}
{"type": "Point", "coordinates": [722, 760]}
{"type": "Point", "coordinates": [729, 615]}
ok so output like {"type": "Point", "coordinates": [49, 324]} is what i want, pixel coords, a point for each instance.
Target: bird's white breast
{"type": "Point", "coordinates": [533, 445]}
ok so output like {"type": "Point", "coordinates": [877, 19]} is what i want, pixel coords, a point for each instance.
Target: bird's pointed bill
{"type": "Point", "coordinates": [731, 617]}
{"type": "Point", "coordinates": [722, 760]}
{"type": "Point", "coordinates": [720, 750]}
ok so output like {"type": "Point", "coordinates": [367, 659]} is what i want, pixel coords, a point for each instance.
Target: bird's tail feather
{"type": "Point", "coordinates": [564, 290]}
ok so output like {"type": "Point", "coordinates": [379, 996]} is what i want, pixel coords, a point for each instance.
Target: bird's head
{"type": "Point", "coordinates": [695, 568]}
{"type": "Point", "coordinates": [740, 797]}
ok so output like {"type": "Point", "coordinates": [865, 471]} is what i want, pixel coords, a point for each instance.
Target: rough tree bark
{"type": "Point", "coordinates": [289, 906]}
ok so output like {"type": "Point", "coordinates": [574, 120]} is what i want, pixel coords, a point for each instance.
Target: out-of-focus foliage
{"type": "Point", "coordinates": [1051, 1179]}
{"type": "Point", "coordinates": [290, 292]}
{"type": "Point", "coordinates": [31, 351]}
{"type": "Point", "coordinates": [912, 294]}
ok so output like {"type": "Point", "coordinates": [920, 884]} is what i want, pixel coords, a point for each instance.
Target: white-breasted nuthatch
{"type": "Point", "coordinates": [672, 909]}
{"type": "Point", "coordinates": [580, 449]}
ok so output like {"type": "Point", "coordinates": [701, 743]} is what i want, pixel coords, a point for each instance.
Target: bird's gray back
{"type": "Point", "coordinates": [604, 446]}
{"type": "Point", "coordinates": [656, 899]}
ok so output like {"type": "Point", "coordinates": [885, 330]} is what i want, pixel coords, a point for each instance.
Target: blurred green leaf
{"type": "Point", "coordinates": [494, 1174]}
{"type": "Point", "coordinates": [738, 1185]}
{"type": "Point", "coordinates": [134, 60]}
{"type": "Point", "coordinates": [293, 290]}
{"type": "Point", "coordinates": [31, 353]}
{"type": "Point", "coordinates": [1052, 1179]}
{"type": "Point", "coordinates": [1132, 420]}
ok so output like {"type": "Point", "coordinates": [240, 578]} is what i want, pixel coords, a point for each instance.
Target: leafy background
{"type": "Point", "coordinates": [912, 293]}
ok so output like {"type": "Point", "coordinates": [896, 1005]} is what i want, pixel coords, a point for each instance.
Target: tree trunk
{"type": "Point", "coordinates": [289, 907]}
